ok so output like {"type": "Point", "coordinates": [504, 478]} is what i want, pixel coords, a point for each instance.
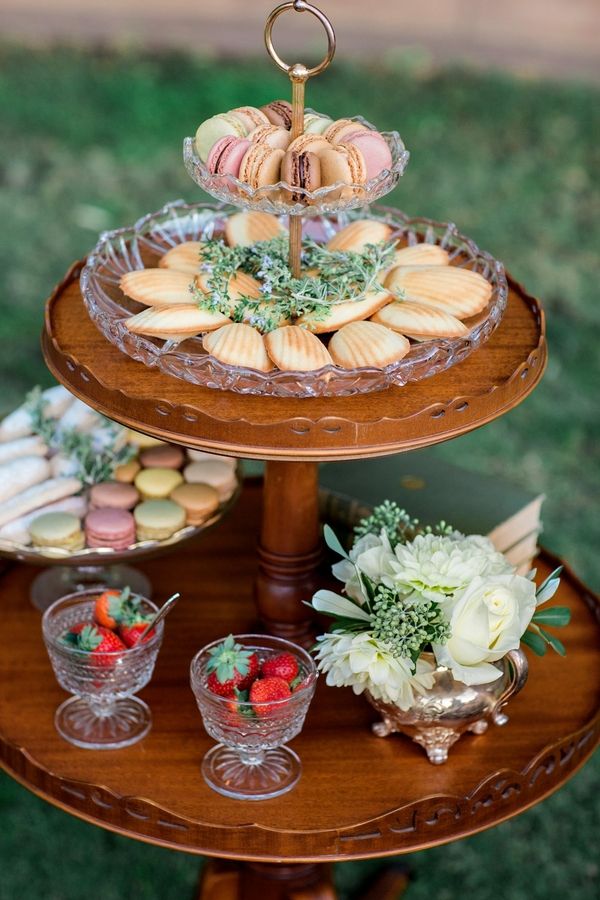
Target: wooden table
{"type": "Point", "coordinates": [154, 791]}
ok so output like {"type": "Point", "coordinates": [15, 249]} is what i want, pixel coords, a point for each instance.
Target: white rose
{"type": "Point", "coordinates": [487, 620]}
{"type": "Point", "coordinates": [435, 565]}
{"type": "Point", "coordinates": [373, 555]}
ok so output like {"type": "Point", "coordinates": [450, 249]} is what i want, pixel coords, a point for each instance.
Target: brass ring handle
{"type": "Point", "coordinates": [297, 71]}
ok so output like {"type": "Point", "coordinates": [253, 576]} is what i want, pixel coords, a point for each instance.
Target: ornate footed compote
{"type": "Point", "coordinates": [250, 762]}
{"type": "Point", "coordinates": [103, 714]}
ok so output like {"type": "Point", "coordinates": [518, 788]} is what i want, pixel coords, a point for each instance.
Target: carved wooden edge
{"type": "Point", "coordinates": [66, 368]}
{"type": "Point", "coordinates": [433, 820]}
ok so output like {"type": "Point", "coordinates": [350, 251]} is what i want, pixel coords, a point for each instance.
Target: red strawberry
{"type": "Point", "coordinates": [265, 691]}
{"type": "Point", "coordinates": [113, 607]}
{"type": "Point", "coordinates": [284, 665]}
{"type": "Point", "coordinates": [130, 634]}
{"type": "Point", "coordinates": [231, 666]}
{"type": "Point", "coordinates": [71, 635]}
{"type": "Point", "coordinates": [99, 642]}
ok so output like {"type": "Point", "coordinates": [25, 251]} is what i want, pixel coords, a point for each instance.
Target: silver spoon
{"type": "Point", "coordinates": [162, 612]}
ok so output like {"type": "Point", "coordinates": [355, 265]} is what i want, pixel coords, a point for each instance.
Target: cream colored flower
{"type": "Point", "coordinates": [373, 555]}
{"type": "Point", "coordinates": [436, 566]}
{"type": "Point", "coordinates": [362, 662]}
{"type": "Point", "coordinates": [487, 620]}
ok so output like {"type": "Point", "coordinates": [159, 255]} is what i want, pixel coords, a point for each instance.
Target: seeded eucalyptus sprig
{"type": "Point", "coordinates": [398, 525]}
{"type": "Point", "coordinates": [331, 277]}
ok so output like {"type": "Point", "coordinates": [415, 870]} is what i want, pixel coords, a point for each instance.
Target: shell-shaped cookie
{"type": "Point", "coordinates": [358, 234]}
{"type": "Point", "coordinates": [295, 349]}
{"type": "Point", "coordinates": [238, 345]}
{"type": "Point", "coordinates": [417, 320]}
{"type": "Point", "coordinates": [341, 314]}
{"type": "Point", "coordinates": [421, 255]}
{"type": "Point", "coordinates": [183, 258]}
{"type": "Point", "coordinates": [361, 344]}
{"type": "Point", "coordinates": [175, 321]}
{"type": "Point", "coordinates": [157, 287]}
{"type": "Point", "coordinates": [460, 292]}
{"type": "Point", "coordinates": [243, 285]}
{"type": "Point", "coordinates": [245, 228]}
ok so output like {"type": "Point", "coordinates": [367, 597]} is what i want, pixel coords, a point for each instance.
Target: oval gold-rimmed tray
{"type": "Point", "coordinates": [106, 556]}
{"type": "Point", "coordinates": [276, 198]}
{"type": "Point", "coordinates": [141, 246]}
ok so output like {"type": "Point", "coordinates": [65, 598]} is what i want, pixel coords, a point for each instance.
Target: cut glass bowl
{"type": "Point", "coordinates": [142, 244]}
{"type": "Point", "coordinates": [276, 198]}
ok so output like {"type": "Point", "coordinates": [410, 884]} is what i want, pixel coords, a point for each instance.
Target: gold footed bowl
{"type": "Point", "coordinates": [439, 717]}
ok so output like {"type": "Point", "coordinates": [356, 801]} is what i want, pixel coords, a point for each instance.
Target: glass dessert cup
{"type": "Point", "coordinates": [250, 762]}
{"type": "Point", "coordinates": [103, 714]}
{"type": "Point", "coordinates": [141, 245]}
{"type": "Point", "coordinates": [277, 198]}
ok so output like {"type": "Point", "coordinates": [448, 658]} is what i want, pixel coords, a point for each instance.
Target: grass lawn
{"type": "Point", "coordinates": [90, 142]}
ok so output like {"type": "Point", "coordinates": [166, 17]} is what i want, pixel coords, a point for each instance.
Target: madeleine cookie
{"type": "Point", "coordinates": [421, 255]}
{"type": "Point", "coordinates": [245, 228]}
{"type": "Point", "coordinates": [175, 322]}
{"type": "Point", "coordinates": [238, 345]}
{"type": "Point", "coordinates": [295, 349]}
{"type": "Point", "coordinates": [460, 292]}
{"type": "Point", "coordinates": [158, 287]}
{"type": "Point", "coordinates": [183, 258]}
{"type": "Point", "coordinates": [214, 472]}
{"type": "Point", "coordinates": [198, 500]}
{"type": "Point", "coordinates": [416, 320]}
{"type": "Point", "coordinates": [358, 234]}
{"type": "Point", "coordinates": [363, 344]}
{"type": "Point", "coordinates": [341, 314]}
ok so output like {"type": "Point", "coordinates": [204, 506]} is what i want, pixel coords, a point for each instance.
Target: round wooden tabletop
{"type": "Point", "coordinates": [359, 795]}
{"type": "Point", "coordinates": [487, 384]}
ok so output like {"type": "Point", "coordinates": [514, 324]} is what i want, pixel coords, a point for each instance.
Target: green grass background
{"type": "Point", "coordinates": [93, 141]}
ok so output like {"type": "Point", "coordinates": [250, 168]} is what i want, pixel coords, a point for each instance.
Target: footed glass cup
{"type": "Point", "coordinates": [250, 762]}
{"type": "Point", "coordinates": [103, 713]}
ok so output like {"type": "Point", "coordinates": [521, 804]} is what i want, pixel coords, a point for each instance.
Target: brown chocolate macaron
{"type": "Point", "coordinates": [301, 170]}
{"type": "Point", "coordinates": [278, 112]}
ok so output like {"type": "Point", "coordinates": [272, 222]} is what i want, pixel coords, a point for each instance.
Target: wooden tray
{"type": "Point", "coordinates": [154, 791]}
{"type": "Point", "coordinates": [491, 381]}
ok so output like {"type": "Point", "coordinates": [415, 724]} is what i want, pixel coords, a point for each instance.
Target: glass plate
{"type": "Point", "coordinates": [142, 244]}
{"type": "Point", "coordinates": [276, 199]}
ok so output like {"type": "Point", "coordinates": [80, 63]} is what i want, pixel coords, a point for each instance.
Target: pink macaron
{"type": "Point", "coordinates": [226, 155]}
{"type": "Point", "coordinates": [113, 495]}
{"type": "Point", "coordinates": [374, 148]}
{"type": "Point", "coordinates": [110, 528]}
{"type": "Point", "coordinates": [165, 457]}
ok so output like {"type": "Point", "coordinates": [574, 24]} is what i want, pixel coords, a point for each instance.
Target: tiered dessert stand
{"type": "Point", "coordinates": [153, 791]}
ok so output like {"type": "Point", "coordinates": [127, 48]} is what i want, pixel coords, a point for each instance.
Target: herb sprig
{"type": "Point", "coordinates": [331, 277]}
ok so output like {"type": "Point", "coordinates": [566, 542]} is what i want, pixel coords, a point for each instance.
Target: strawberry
{"type": "Point", "coordinates": [98, 641]}
{"type": "Point", "coordinates": [265, 691]}
{"type": "Point", "coordinates": [130, 634]}
{"type": "Point", "coordinates": [230, 667]}
{"type": "Point", "coordinates": [113, 607]}
{"type": "Point", "coordinates": [284, 665]}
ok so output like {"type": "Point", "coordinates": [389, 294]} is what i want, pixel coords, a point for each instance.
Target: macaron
{"type": "Point", "coordinates": [374, 148]}
{"type": "Point", "coordinates": [345, 163]}
{"type": "Point", "coordinates": [141, 440]}
{"type": "Point", "coordinates": [218, 474]}
{"type": "Point", "coordinates": [279, 112]}
{"type": "Point", "coordinates": [260, 166]}
{"type": "Point", "coordinates": [114, 495]}
{"type": "Point", "coordinates": [337, 131]}
{"type": "Point", "coordinates": [157, 483]}
{"type": "Point", "coordinates": [301, 170]}
{"type": "Point", "coordinates": [202, 456]}
{"type": "Point", "coordinates": [215, 128]}
{"type": "Point", "coordinates": [198, 500]}
{"type": "Point", "coordinates": [157, 520]}
{"type": "Point", "coordinates": [226, 155]}
{"type": "Point", "coordinates": [250, 117]}
{"type": "Point", "coordinates": [315, 123]}
{"type": "Point", "coordinates": [57, 529]}
{"type": "Point", "coordinates": [313, 142]}
{"type": "Point", "coordinates": [127, 471]}
{"type": "Point", "coordinates": [110, 528]}
{"type": "Point", "coordinates": [167, 457]}
{"type": "Point", "coordinates": [275, 136]}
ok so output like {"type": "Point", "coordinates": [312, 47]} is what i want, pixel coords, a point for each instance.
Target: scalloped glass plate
{"type": "Point", "coordinates": [276, 198]}
{"type": "Point", "coordinates": [142, 244]}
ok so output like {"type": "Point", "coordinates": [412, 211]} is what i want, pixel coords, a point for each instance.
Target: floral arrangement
{"type": "Point", "coordinates": [410, 590]}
